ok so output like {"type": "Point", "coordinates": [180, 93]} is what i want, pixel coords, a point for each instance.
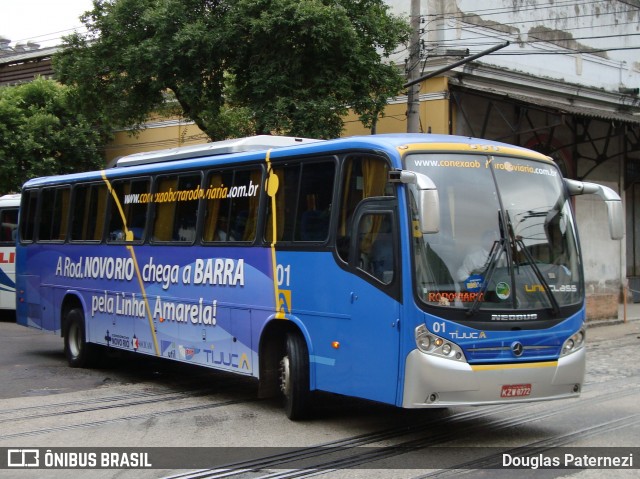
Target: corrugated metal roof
{"type": "Point", "coordinates": [600, 112]}
{"type": "Point", "coordinates": [8, 58]}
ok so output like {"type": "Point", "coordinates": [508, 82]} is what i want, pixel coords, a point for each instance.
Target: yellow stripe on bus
{"type": "Point", "coordinates": [272, 188]}
{"type": "Point", "coordinates": [129, 237]}
{"type": "Point", "coordinates": [497, 367]}
{"type": "Point", "coordinates": [473, 148]}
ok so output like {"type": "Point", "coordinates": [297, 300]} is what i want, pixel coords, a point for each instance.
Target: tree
{"type": "Point", "coordinates": [283, 66]}
{"type": "Point", "coordinates": [40, 134]}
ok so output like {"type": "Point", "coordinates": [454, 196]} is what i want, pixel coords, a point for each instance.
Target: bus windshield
{"type": "Point", "coordinates": [506, 241]}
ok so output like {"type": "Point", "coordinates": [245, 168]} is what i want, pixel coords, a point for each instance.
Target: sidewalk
{"type": "Point", "coordinates": [632, 314]}
{"type": "Point", "coordinates": [633, 311]}
{"type": "Point", "coordinates": [616, 328]}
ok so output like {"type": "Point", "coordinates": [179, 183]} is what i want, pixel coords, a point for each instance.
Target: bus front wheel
{"type": "Point", "coordinates": [294, 377]}
{"type": "Point", "coordinates": [79, 353]}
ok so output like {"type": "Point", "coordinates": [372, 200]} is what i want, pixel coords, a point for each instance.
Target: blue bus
{"type": "Point", "coordinates": [414, 270]}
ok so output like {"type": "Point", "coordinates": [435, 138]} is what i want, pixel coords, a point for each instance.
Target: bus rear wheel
{"type": "Point", "coordinates": [79, 353]}
{"type": "Point", "coordinates": [294, 377]}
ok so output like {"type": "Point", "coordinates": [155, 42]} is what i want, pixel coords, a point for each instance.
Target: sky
{"type": "Point", "coordinates": [40, 21]}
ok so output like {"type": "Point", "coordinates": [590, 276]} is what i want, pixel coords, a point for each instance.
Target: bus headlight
{"type": "Point", "coordinates": [429, 343]}
{"type": "Point", "coordinates": [424, 342]}
{"type": "Point", "coordinates": [574, 343]}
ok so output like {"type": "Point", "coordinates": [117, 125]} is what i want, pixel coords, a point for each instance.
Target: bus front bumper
{"type": "Point", "coordinates": [431, 381]}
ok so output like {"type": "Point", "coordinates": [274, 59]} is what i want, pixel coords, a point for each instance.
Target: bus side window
{"type": "Point", "coordinates": [231, 205]}
{"type": "Point", "coordinates": [54, 214]}
{"type": "Point", "coordinates": [88, 212]}
{"type": "Point", "coordinates": [127, 213]}
{"type": "Point", "coordinates": [362, 177]}
{"type": "Point", "coordinates": [285, 204]}
{"type": "Point", "coordinates": [216, 213]}
{"type": "Point", "coordinates": [303, 202]}
{"type": "Point", "coordinates": [314, 201]}
{"type": "Point", "coordinates": [375, 246]}
{"type": "Point", "coordinates": [176, 211]}
{"type": "Point", "coordinates": [28, 209]}
{"type": "Point", "coordinates": [243, 217]}
{"type": "Point", "coordinates": [9, 218]}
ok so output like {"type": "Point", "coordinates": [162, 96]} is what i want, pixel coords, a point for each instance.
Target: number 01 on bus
{"type": "Point", "coordinates": [414, 270]}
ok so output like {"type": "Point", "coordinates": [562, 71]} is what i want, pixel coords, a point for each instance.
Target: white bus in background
{"type": "Point", "coordinates": [9, 205]}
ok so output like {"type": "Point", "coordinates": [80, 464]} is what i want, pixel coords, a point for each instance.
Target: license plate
{"type": "Point", "coordinates": [515, 390]}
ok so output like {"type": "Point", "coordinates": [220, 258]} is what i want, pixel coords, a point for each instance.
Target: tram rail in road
{"type": "Point", "coordinates": [157, 404]}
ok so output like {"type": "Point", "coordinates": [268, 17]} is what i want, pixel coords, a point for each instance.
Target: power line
{"type": "Point", "coordinates": [508, 10]}
{"type": "Point", "coordinates": [489, 39]}
{"type": "Point", "coordinates": [590, 37]}
{"type": "Point", "coordinates": [169, 142]}
{"type": "Point", "coordinates": [541, 21]}
{"type": "Point", "coordinates": [503, 10]}
{"type": "Point", "coordinates": [461, 18]}
{"type": "Point", "coordinates": [598, 50]}
{"type": "Point", "coordinates": [46, 37]}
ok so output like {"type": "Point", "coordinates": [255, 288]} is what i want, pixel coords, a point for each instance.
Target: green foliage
{"type": "Point", "coordinates": [235, 66]}
{"type": "Point", "coordinates": [40, 134]}
{"type": "Point", "coordinates": [135, 51]}
{"type": "Point", "coordinates": [301, 64]}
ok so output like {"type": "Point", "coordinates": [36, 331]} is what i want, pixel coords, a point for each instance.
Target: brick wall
{"type": "Point", "coordinates": [602, 306]}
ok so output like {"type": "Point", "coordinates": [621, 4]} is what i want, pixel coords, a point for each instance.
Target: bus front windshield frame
{"type": "Point", "coordinates": [507, 239]}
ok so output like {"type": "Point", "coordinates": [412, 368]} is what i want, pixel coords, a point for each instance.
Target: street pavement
{"type": "Point", "coordinates": [45, 404]}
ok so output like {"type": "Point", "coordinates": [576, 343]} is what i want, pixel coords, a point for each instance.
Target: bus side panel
{"type": "Point", "coordinates": [49, 315]}
{"type": "Point", "coordinates": [196, 304]}
{"type": "Point", "coordinates": [7, 278]}
{"type": "Point", "coordinates": [206, 306]}
{"type": "Point", "coordinates": [352, 324]}
{"type": "Point", "coordinates": [28, 307]}
{"type": "Point", "coordinates": [38, 294]}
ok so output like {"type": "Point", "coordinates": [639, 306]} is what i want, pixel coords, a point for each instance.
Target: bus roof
{"type": "Point", "coordinates": [236, 145]}
{"type": "Point", "coordinates": [12, 199]}
{"type": "Point", "coordinates": [252, 149]}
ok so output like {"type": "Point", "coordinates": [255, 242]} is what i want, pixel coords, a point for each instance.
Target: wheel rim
{"type": "Point", "coordinates": [74, 340]}
{"type": "Point", "coordinates": [285, 376]}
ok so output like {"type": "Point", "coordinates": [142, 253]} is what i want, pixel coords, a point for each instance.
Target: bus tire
{"type": "Point", "coordinates": [294, 377]}
{"type": "Point", "coordinates": [79, 353]}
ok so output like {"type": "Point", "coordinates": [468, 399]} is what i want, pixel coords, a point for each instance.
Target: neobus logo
{"type": "Point", "coordinates": [513, 317]}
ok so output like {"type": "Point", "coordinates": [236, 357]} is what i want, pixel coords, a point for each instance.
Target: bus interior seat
{"type": "Point", "coordinates": [239, 225]}
{"type": "Point", "coordinates": [381, 257]}
{"type": "Point", "coordinates": [314, 226]}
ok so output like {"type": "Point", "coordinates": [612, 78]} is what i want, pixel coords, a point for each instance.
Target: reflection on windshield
{"type": "Point", "coordinates": [507, 238]}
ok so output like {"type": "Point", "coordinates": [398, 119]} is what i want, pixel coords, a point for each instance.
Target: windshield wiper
{"type": "Point", "coordinates": [496, 251]}
{"type": "Point", "coordinates": [519, 243]}
{"type": "Point", "coordinates": [545, 285]}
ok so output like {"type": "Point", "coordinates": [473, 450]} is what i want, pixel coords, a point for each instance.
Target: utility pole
{"type": "Point", "coordinates": [413, 70]}
{"type": "Point", "coordinates": [437, 72]}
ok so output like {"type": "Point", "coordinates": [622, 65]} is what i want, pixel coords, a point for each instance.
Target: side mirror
{"type": "Point", "coordinates": [611, 200]}
{"type": "Point", "coordinates": [429, 207]}
{"type": "Point", "coordinates": [428, 198]}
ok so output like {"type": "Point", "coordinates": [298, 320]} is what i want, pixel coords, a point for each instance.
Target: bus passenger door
{"type": "Point", "coordinates": [374, 292]}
